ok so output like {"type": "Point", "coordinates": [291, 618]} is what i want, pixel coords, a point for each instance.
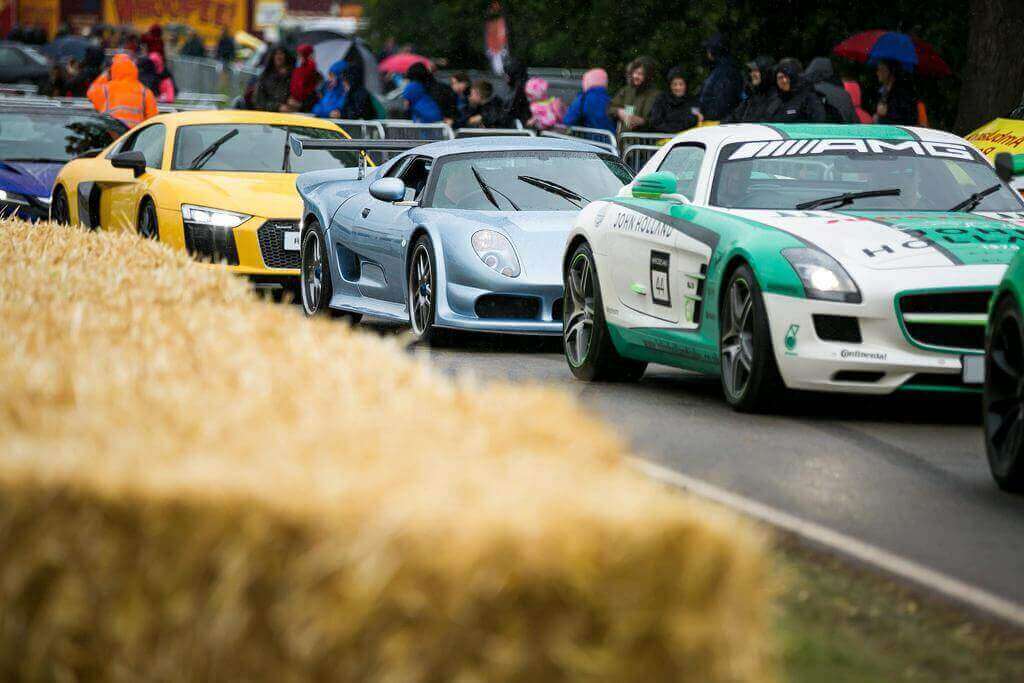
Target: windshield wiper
{"type": "Point", "coordinates": [554, 188]}
{"type": "Point", "coordinates": [847, 198]}
{"type": "Point", "coordinates": [489, 191]}
{"type": "Point", "coordinates": [971, 203]}
{"type": "Point", "coordinates": [207, 153]}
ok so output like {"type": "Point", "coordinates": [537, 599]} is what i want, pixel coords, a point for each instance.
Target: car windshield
{"type": "Point", "coordinates": [897, 175]}
{"type": "Point", "coordinates": [254, 148]}
{"type": "Point", "coordinates": [55, 137]}
{"type": "Point", "coordinates": [527, 180]}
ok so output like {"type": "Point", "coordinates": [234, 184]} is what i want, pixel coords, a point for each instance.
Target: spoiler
{"type": "Point", "coordinates": [363, 147]}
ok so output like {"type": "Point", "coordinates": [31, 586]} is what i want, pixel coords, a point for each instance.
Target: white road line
{"type": "Point", "coordinates": [907, 569]}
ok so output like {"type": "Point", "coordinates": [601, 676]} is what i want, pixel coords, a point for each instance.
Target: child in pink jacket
{"type": "Point", "coordinates": [545, 112]}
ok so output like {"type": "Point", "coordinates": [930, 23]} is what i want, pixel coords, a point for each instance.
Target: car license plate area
{"type": "Point", "coordinates": [291, 241]}
{"type": "Point", "coordinates": [973, 369]}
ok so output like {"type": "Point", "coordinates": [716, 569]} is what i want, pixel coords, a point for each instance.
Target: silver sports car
{"type": "Point", "coordinates": [466, 234]}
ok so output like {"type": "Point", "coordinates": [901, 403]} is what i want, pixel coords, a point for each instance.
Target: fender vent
{"type": "Point", "coordinates": [211, 243]}
{"type": "Point", "coordinates": [837, 328]}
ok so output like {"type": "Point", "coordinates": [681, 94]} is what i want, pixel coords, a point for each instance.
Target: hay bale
{"type": "Point", "coordinates": [196, 485]}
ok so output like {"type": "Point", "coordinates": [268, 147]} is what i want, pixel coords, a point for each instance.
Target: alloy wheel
{"type": "Point", "coordinates": [1004, 409]}
{"type": "Point", "coordinates": [147, 223]}
{"type": "Point", "coordinates": [579, 315]}
{"type": "Point", "coordinates": [60, 213]}
{"type": "Point", "coordinates": [737, 339]}
{"type": "Point", "coordinates": [312, 273]}
{"type": "Point", "coordinates": [421, 290]}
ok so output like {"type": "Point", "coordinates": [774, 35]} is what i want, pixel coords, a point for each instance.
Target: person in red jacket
{"type": "Point", "coordinates": [122, 95]}
{"type": "Point", "coordinates": [153, 41]}
{"type": "Point", "coordinates": [305, 79]}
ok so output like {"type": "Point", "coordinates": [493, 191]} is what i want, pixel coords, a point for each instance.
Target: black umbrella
{"type": "Point", "coordinates": [67, 47]}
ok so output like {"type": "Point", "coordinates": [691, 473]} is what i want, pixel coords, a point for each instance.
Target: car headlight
{"type": "Point", "coordinates": [13, 198]}
{"type": "Point", "coordinates": [496, 252]}
{"type": "Point", "coordinates": [822, 276]}
{"type": "Point", "coordinates": [216, 217]}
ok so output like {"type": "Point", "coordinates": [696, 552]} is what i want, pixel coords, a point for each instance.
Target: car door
{"type": "Point", "coordinates": [119, 201]}
{"type": "Point", "coordinates": [378, 229]}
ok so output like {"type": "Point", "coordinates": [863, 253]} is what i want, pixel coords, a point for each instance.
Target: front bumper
{"type": "Point", "coordinates": [465, 307]}
{"type": "Point", "coordinates": [36, 210]}
{"type": "Point", "coordinates": [884, 360]}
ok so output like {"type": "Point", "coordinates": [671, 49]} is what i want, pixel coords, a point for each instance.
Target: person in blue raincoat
{"type": "Point", "coordinates": [422, 107]}
{"type": "Point", "coordinates": [590, 108]}
{"type": "Point", "coordinates": [333, 99]}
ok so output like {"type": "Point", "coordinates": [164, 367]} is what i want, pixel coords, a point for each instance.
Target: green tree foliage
{"type": "Point", "coordinates": [609, 33]}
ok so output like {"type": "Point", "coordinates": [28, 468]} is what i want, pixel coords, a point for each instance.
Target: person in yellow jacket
{"type": "Point", "coordinates": [121, 94]}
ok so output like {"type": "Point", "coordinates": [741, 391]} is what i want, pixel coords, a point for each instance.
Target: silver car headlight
{"type": "Point", "coordinates": [822, 276]}
{"type": "Point", "coordinates": [214, 217]}
{"type": "Point", "coordinates": [496, 252]}
{"type": "Point", "coordinates": [13, 198]}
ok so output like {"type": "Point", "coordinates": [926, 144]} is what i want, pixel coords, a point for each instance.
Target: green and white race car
{"type": "Point", "coordinates": [850, 258]}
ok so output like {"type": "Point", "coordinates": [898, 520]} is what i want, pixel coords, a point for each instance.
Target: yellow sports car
{"type": "Point", "coordinates": [219, 184]}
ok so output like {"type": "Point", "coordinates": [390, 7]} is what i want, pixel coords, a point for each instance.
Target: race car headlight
{"type": "Point", "coordinates": [216, 217]}
{"type": "Point", "coordinates": [13, 198]}
{"type": "Point", "coordinates": [822, 276]}
{"type": "Point", "coordinates": [496, 252]}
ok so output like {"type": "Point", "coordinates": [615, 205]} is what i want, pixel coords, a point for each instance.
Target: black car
{"type": "Point", "coordinates": [23, 64]}
{"type": "Point", "coordinates": [36, 142]}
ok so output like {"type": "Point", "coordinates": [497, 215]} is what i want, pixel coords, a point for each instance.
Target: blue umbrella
{"type": "Point", "coordinates": [912, 53]}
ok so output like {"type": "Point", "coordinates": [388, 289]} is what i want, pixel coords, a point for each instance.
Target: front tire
{"type": "Point", "coordinates": [422, 294]}
{"type": "Point", "coordinates": [750, 375]}
{"type": "Point", "coordinates": [1003, 398]}
{"type": "Point", "coordinates": [315, 285]}
{"type": "Point", "coordinates": [60, 210]}
{"type": "Point", "coordinates": [148, 227]}
{"type": "Point", "coordinates": [586, 341]}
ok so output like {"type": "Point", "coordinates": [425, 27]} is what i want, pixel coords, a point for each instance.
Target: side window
{"type": "Point", "coordinates": [396, 168]}
{"type": "Point", "coordinates": [149, 141]}
{"type": "Point", "coordinates": [685, 161]}
{"type": "Point", "coordinates": [415, 178]}
{"type": "Point", "coordinates": [11, 57]}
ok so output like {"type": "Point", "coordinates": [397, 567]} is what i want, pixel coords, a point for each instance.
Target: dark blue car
{"type": "Point", "coordinates": [35, 142]}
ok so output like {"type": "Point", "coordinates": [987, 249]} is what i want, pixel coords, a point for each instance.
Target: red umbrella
{"type": "Point", "coordinates": [400, 63]}
{"type": "Point", "coordinates": [914, 54]}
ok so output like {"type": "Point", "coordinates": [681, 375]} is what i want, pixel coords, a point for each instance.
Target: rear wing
{"type": "Point", "coordinates": [363, 147]}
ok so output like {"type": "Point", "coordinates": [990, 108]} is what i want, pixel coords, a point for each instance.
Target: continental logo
{"type": "Point", "coordinates": [860, 355]}
{"type": "Point", "coordinates": [788, 148]}
{"type": "Point", "coordinates": [627, 221]}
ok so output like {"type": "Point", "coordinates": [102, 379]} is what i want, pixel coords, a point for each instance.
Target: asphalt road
{"type": "Point", "coordinates": [907, 475]}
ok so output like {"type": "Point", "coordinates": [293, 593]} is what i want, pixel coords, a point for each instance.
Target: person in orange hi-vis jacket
{"type": "Point", "coordinates": [121, 95]}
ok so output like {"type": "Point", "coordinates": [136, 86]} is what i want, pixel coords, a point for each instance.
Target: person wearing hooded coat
{"type": "Point", "coordinates": [333, 99]}
{"type": "Point", "coordinates": [305, 80]}
{"type": "Point", "coordinates": [632, 104]}
{"type": "Point", "coordinates": [675, 110]}
{"type": "Point", "coordinates": [723, 88]}
{"type": "Point", "coordinates": [795, 100]}
{"type": "Point", "coordinates": [358, 101]}
{"type": "Point", "coordinates": [760, 91]}
{"type": "Point", "coordinates": [897, 102]}
{"type": "Point", "coordinates": [442, 94]}
{"type": "Point", "coordinates": [422, 107]}
{"type": "Point", "coordinates": [590, 108]}
{"type": "Point", "coordinates": [836, 101]}
{"type": "Point", "coordinates": [271, 93]}
{"type": "Point", "coordinates": [90, 68]}
{"type": "Point", "coordinates": [519, 104]}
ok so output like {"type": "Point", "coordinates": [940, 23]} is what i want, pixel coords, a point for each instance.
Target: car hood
{"type": "Point", "coordinates": [30, 178]}
{"type": "Point", "coordinates": [537, 236]}
{"type": "Point", "coordinates": [268, 195]}
{"type": "Point", "coordinates": [889, 240]}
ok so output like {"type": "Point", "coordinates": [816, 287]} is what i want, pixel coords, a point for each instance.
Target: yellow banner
{"type": "Point", "coordinates": [207, 17]}
{"type": "Point", "coordinates": [1001, 135]}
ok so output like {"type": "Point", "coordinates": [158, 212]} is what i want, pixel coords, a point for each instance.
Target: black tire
{"type": "Point", "coordinates": [60, 210]}
{"type": "Point", "coordinates": [1003, 398]}
{"type": "Point", "coordinates": [315, 287]}
{"type": "Point", "coordinates": [586, 342]}
{"type": "Point", "coordinates": [421, 294]}
{"type": "Point", "coordinates": [750, 375]}
{"type": "Point", "coordinates": [147, 226]}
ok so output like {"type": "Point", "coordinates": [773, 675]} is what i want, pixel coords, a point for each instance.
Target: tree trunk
{"type": "Point", "coordinates": [993, 79]}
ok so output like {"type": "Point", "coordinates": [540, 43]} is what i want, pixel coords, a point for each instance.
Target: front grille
{"type": "Point", "coordinates": [922, 317]}
{"type": "Point", "coordinates": [949, 336]}
{"type": "Point", "coordinates": [211, 243]}
{"type": "Point", "coordinates": [508, 307]}
{"type": "Point", "coordinates": [556, 310]}
{"type": "Point", "coordinates": [837, 328]}
{"type": "Point", "coordinates": [863, 376]}
{"type": "Point", "coordinates": [271, 236]}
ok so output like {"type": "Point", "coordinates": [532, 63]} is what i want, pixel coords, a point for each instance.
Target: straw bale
{"type": "Point", "coordinates": [198, 485]}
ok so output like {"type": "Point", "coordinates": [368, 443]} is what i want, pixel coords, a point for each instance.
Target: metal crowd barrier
{"type": "Point", "coordinates": [636, 156]}
{"type": "Point", "coordinates": [565, 136]}
{"type": "Point", "coordinates": [499, 132]}
{"type": "Point", "coordinates": [599, 135]}
{"type": "Point", "coordinates": [18, 89]}
{"type": "Point", "coordinates": [360, 129]}
{"type": "Point", "coordinates": [400, 129]}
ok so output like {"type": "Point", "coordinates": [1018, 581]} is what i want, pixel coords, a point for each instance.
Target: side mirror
{"type": "Point", "coordinates": [388, 190]}
{"type": "Point", "coordinates": [1009, 166]}
{"type": "Point", "coordinates": [654, 185]}
{"type": "Point", "coordinates": [133, 159]}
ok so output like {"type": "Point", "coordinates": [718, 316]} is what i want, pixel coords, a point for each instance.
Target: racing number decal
{"type": "Point", "coordinates": [659, 279]}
